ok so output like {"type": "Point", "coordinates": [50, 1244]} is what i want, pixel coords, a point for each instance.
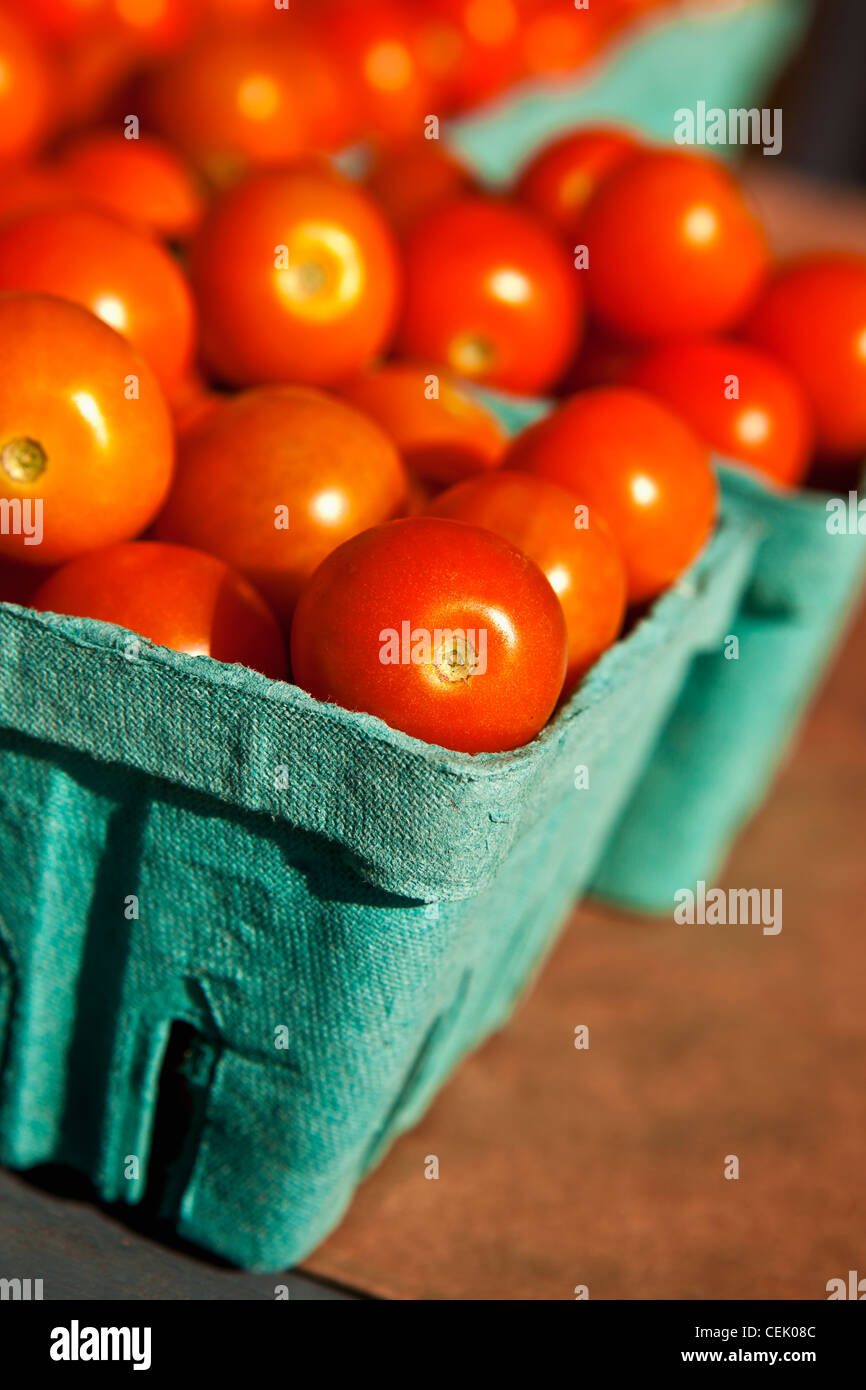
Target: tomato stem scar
{"type": "Point", "coordinates": [22, 459]}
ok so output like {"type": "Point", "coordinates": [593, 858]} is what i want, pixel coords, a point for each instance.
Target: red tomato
{"type": "Point", "coordinates": [442, 433]}
{"type": "Point", "coordinates": [623, 452]}
{"type": "Point", "coordinates": [674, 250]}
{"type": "Point", "coordinates": [469, 48]}
{"type": "Point", "coordinates": [142, 181]}
{"type": "Point", "coordinates": [559, 181]}
{"type": "Point", "coordinates": [175, 597]}
{"type": "Point", "coordinates": [25, 91]}
{"type": "Point", "coordinates": [382, 80]}
{"type": "Point", "coordinates": [491, 293]}
{"type": "Point", "coordinates": [412, 179]}
{"type": "Point", "coordinates": [296, 276]}
{"type": "Point", "coordinates": [76, 442]}
{"type": "Point", "coordinates": [125, 278]}
{"type": "Point", "coordinates": [252, 97]}
{"type": "Point", "coordinates": [441, 629]}
{"type": "Point", "coordinates": [741, 402]}
{"type": "Point", "coordinates": [812, 317]}
{"type": "Point", "coordinates": [274, 479]}
{"type": "Point", "coordinates": [570, 544]}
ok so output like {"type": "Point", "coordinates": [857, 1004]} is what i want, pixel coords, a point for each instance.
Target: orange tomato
{"type": "Point", "coordinates": [174, 597]}
{"type": "Point", "coordinates": [442, 432]}
{"type": "Point", "coordinates": [25, 91]}
{"type": "Point", "coordinates": [122, 276]}
{"type": "Point", "coordinates": [273, 479]}
{"type": "Point", "coordinates": [561, 178]}
{"type": "Point", "coordinates": [557, 39]}
{"type": "Point", "coordinates": [142, 181]}
{"type": "Point", "coordinates": [621, 451]}
{"type": "Point", "coordinates": [674, 250]}
{"type": "Point", "coordinates": [491, 293]}
{"type": "Point", "coordinates": [296, 277]}
{"type": "Point", "coordinates": [249, 97]}
{"type": "Point", "coordinates": [570, 544]}
{"type": "Point", "coordinates": [85, 434]}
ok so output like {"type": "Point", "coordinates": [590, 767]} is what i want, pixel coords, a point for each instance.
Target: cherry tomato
{"type": "Point", "coordinates": [468, 48]}
{"type": "Point", "coordinates": [559, 181]}
{"type": "Point", "coordinates": [491, 293]}
{"type": "Point", "coordinates": [442, 433]}
{"type": "Point", "coordinates": [381, 78]}
{"type": "Point", "coordinates": [623, 452]}
{"type": "Point", "coordinates": [741, 402]}
{"type": "Point", "coordinates": [122, 276]}
{"type": "Point", "coordinates": [25, 91]}
{"type": "Point", "coordinates": [674, 251]}
{"type": "Point", "coordinates": [142, 181]}
{"type": "Point", "coordinates": [812, 317]}
{"type": "Point", "coordinates": [252, 97]}
{"type": "Point", "coordinates": [569, 543]}
{"type": "Point", "coordinates": [85, 434]}
{"type": "Point", "coordinates": [410, 180]}
{"type": "Point", "coordinates": [558, 39]}
{"type": "Point", "coordinates": [173, 596]}
{"type": "Point", "coordinates": [441, 629]}
{"type": "Point", "coordinates": [297, 278]}
{"type": "Point", "coordinates": [274, 479]}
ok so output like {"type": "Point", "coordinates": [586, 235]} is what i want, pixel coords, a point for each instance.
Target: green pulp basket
{"type": "Point", "coordinates": [332, 912]}
{"type": "Point", "coordinates": [741, 702]}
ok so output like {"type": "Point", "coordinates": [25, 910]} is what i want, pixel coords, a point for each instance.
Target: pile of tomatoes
{"type": "Point", "coordinates": [239, 405]}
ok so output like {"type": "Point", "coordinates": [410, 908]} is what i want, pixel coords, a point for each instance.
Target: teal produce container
{"type": "Point", "coordinates": [742, 701]}
{"type": "Point", "coordinates": [245, 936]}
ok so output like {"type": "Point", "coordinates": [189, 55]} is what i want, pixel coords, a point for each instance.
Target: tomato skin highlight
{"type": "Point", "coordinates": [441, 439]}
{"type": "Point", "coordinates": [492, 293]}
{"type": "Point", "coordinates": [405, 585]}
{"type": "Point", "coordinates": [121, 275]}
{"type": "Point", "coordinates": [768, 425]}
{"type": "Point", "coordinates": [582, 564]}
{"type": "Point", "coordinates": [107, 459]}
{"type": "Point", "coordinates": [645, 470]}
{"type": "Point", "coordinates": [674, 249]}
{"type": "Point", "coordinates": [812, 317]}
{"type": "Point", "coordinates": [320, 317]}
{"type": "Point", "coordinates": [280, 447]}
